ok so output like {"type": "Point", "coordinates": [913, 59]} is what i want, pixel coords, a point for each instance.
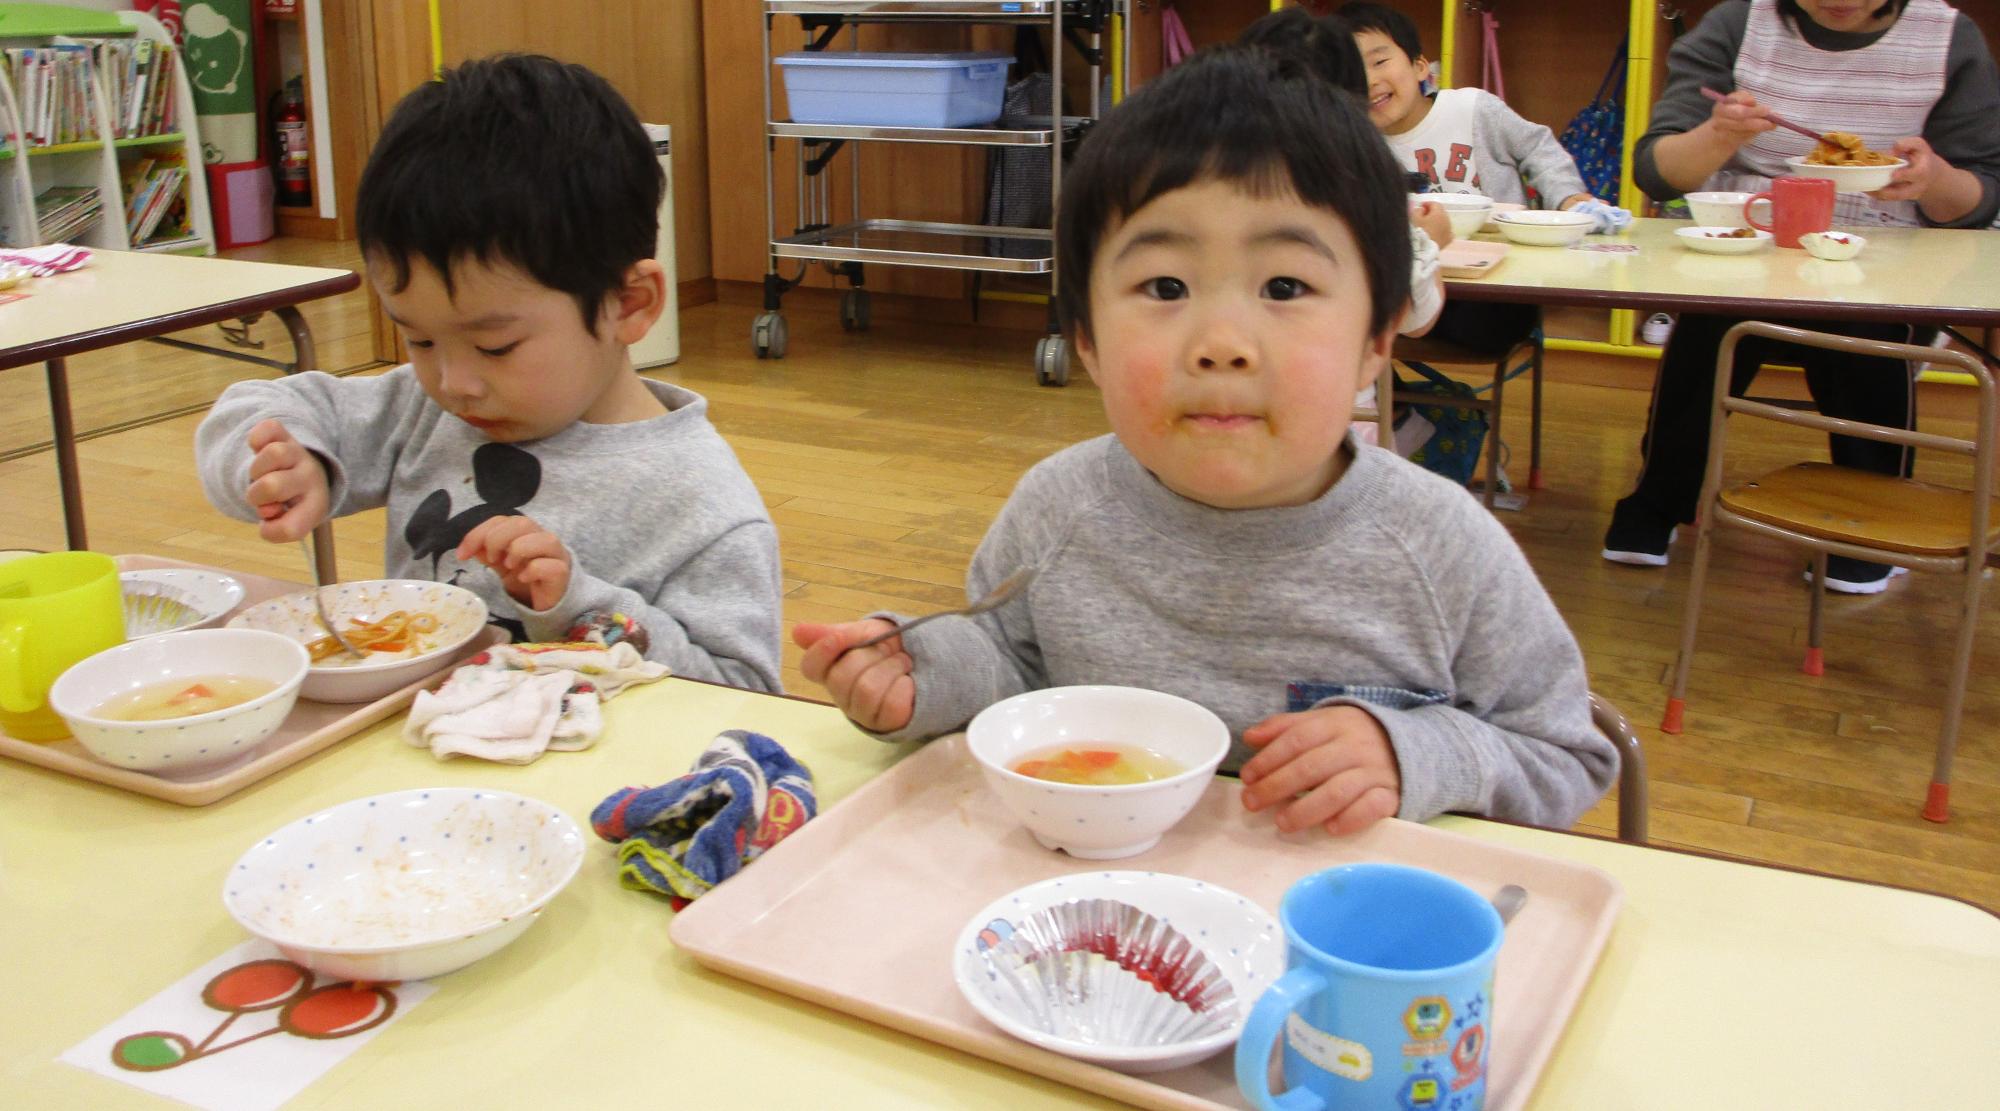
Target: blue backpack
{"type": "Point", "coordinates": [1596, 137]}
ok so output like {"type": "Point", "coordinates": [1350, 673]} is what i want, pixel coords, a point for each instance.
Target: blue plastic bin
{"type": "Point", "coordinates": [896, 90]}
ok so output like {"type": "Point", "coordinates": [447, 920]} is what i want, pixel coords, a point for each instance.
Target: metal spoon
{"type": "Point", "coordinates": [994, 599]}
{"type": "Point", "coordinates": [319, 604]}
{"type": "Point", "coordinates": [1508, 901]}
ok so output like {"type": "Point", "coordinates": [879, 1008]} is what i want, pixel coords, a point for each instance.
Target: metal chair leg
{"type": "Point", "coordinates": [1493, 434]}
{"type": "Point", "coordinates": [1690, 621]}
{"type": "Point", "coordinates": [1535, 420]}
{"type": "Point", "coordinates": [1937, 801]}
{"type": "Point", "coordinates": [1816, 625]}
{"type": "Point", "coordinates": [1631, 768]}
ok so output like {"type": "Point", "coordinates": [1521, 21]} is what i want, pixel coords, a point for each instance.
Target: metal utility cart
{"type": "Point", "coordinates": [844, 249]}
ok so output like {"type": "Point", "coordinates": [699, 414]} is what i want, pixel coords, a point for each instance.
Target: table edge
{"type": "Point", "coordinates": [1574, 297]}
{"type": "Point", "coordinates": [78, 342]}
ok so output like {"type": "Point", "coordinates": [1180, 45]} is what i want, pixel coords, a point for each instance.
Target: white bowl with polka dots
{"type": "Point", "coordinates": [407, 885]}
{"type": "Point", "coordinates": [1095, 822]}
{"type": "Point", "coordinates": [201, 742]}
{"type": "Point", "coordinates": [1239, 938]}
{"type": "Point", "coordinates": [461, 615]}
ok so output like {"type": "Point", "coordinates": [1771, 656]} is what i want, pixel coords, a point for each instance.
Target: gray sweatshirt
{"type": "Point", "coordinates": [1961, 128]}
{"type": "Point", "coordinates": [1507, 152]}
{"type": "Point", "coordinates": [661, 523]}
{"type": "Point", "coordinates": [1395, 591]}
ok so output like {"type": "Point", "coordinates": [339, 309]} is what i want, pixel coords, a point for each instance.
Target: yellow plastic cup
{"type": "Point", "coordinates": [55, 609]}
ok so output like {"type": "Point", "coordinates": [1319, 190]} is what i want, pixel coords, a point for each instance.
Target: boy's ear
{"type": "Point", "coordinates": [1376, 353]}
{"type": "Point", "coordinates": [1086, 350]}
{"type": "Point", "coordinates": [638, 302]}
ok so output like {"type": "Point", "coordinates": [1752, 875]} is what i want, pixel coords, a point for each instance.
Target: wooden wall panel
{"type": "Point", "coordinates": [650, 50]}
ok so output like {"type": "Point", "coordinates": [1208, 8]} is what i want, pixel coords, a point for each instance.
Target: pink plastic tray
{"type": "Point", "coordinates": [1470, 258]}
{"type": "Point", "coordinates": [311, 727]}
{"type": "Point", "coordinates": [859, 909]}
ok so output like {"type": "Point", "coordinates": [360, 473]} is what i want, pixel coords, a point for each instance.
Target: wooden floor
{"type": "Point", "coordinates": [884, 456]}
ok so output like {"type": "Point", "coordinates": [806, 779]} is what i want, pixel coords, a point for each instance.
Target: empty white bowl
{"type": "Point", "coordinates": [460, 613]}
{"type": "Point", "coordinates": [1833, 246]}
{"type": "Point", "coordinates": [189, 744]}
{"type": "Point", "coordinates": [211, 594]}
{"type": "Point", "coordinates": [1848, 179]}
{"type": "Point", "coordinates": [1468, 211]}
{"type": "Point", "coordinates": [1723, 241]}
{"type": "Point", "coordinates": [1538, 228]}
{"type": "Point", "coordinates": [1239, 938]}
{"type": "Point", "coordinates": [1721, 209]}
{"type": "Point", "coordinates": [1098, 822]}
{"type": "Point", "coordinates": [404, 886]}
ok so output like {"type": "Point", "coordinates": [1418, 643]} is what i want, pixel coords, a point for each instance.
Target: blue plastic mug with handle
{"type": "Point", "coordinates": [1388, 998]}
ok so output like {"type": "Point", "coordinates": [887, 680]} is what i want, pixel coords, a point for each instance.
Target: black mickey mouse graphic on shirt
{"type": "Point", "coordinates": [507, 479]}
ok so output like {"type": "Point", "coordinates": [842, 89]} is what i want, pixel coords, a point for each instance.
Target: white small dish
{"type": "Point", "coordinates": [1239, 937]}
{"type": "Point", "coordinates": [1833, 246]}
{"type": "Point", "coordinates": [1721, 241]}
{"type": "Point", "coordinates": [13, 274]}
{"type": "Point", "coordinates": [200, 742]}
{"type": "Point", "coordinates": [1848, 179]}
{"type": "Point", "coordinates": [1088, 821]}
{"type": "Point", "coordinates": [460, 613]}
{"type": "Point", "coordinates": [211, 593]}
{"type": "Point", "coordinates": [1539, 228]}
{"type": "Point", "coordinates": [407, 885]}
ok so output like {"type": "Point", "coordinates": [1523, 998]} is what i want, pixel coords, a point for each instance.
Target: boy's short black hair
{"type": "Point", "coordinates": [1384, 20]}
{"type": "Point", "coordinates": [521, 159]}
{"type": "Point", "coordinates": [1322, 44]}
{"type": "Point", "coordinates": [1239, 115]}
{"type": "Point", "coordinates": [1790, 9]}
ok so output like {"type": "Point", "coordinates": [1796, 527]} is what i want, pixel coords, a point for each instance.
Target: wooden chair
{"type": "Point", "coordinates": [1631, 768]}
{"type": "Point", "coordinates": [1830, 510]}
{"type": "Point", "coordinates": [1523, 357]}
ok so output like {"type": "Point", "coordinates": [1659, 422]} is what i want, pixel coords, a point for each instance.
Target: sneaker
{"type": "Point", "coordinates": [1656, 329]}
{"type": "Point", "coordinates": [1638, 536]}
{"type": "Point", "coordinates": [1854, 576]}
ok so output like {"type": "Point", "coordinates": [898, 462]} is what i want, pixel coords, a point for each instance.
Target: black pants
{"type": "Point", "coordinates": [1843, 384]}
{"type": "Point", "coordinates": [1488, 327]}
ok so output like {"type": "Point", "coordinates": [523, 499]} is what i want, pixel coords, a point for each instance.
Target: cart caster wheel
{"type": "Point", "coordinates": [855, 311]}
{"type": "Point", "coordinates": [768, 335]}
{"type": "Point", "coordinates": [1052, 361]}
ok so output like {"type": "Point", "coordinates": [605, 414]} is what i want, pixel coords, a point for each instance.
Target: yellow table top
{"type": "Point", "coordinates": [1916, 275]}
{"type": "Point", "coordinates": [125, 295]}
{"type": "Point", "coordinates": [1723, 985]}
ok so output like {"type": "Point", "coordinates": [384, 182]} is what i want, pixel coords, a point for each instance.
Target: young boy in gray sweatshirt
{"type": "Point", "coordinates": [1234, 251]}
{"type": "Point", "coordinates": [508, 216]}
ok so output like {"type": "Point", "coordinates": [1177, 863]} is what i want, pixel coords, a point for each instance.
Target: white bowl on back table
{"type": "Point", "coordinates": [1539, 228]}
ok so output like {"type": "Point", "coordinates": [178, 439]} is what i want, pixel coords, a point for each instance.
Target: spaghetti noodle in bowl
{"type": "Point", "coordinates": [414, 625]}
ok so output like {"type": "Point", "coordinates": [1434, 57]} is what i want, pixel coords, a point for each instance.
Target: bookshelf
{"type": "Point", "coordinates": [129, 147]}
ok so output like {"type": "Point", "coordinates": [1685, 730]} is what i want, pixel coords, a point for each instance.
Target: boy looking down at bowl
{"type": "Point", "coordinates": [508, 216]}
{"type": "Point", "coordinates": [1234, 245]}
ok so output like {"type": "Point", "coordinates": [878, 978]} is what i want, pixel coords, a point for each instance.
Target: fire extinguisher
{"type": "Point", "coordinates": [291, 152]}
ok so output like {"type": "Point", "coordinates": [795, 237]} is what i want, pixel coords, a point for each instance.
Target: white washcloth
{"type": "Point", "coordinates": [516, 701]}
{"type": "Point", "coordinates": [43, 261]}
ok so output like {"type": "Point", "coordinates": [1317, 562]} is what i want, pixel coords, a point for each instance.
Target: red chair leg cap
{"type": "Point", "coordinates": [1815, 661]}
{"type": "Point", "coordinates": [1937, 804]}
{"type": "Point", "coordinates": [1535, 479]}
{"type": "Point", "coordinates": [1671, 723]}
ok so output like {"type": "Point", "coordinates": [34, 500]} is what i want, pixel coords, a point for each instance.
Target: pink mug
{"type": "Point", "coordinates": [1799, 206]}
